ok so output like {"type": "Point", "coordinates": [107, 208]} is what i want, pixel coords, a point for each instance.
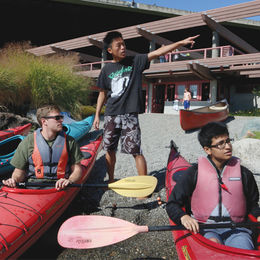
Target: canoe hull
{"type": "Point", "coordinates": [190, 246]}
{"type": "Point", "coordinates": [196, 118]}
{"type": "Point", "coordinates": [26, 214]}
{"type": "Point", "coordinates": [19, 130]}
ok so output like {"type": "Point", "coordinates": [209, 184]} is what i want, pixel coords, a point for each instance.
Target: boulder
{"type": "Point", "coordinates": [248, 150]}
{"type": "Point", "coordinates": [10, 120]}
{"type": "Point", "coordinates": [252, 124]}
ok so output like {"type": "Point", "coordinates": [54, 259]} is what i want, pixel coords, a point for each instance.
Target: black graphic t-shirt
{"type": "Point", "coordinates": [123, 82]}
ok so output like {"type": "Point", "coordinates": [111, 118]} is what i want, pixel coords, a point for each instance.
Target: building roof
{"type": "Point", "coordinates": [190, 20]}
{"type": "Point", "coordinates": [214, 19]}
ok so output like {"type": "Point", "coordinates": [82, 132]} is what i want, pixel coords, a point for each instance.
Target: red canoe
{"type": "Point", "coordinates": [191, 246]}
{"type": "Point", "coordinates": [19, 130]}
{"type": "Point", "coordinates": [27, 213]}
{"type": "Point", "coordinates": [196, 118]}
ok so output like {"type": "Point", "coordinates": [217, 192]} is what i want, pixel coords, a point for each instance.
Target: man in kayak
{"type": "Point", "coordinates": [120, 84]}
{"type": "Point", "coordinates": [48, 153]}
{"type": "Point", "coordinates": [217, 189]}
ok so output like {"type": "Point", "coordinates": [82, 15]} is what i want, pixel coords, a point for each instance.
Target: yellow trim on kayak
{"type": "Point", "coordinates": [185, 252]}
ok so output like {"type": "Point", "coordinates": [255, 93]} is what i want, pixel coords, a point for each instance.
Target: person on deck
{"type": "Point", "coordinates": [216, 189]}
{"type": "Point", "coordinates": [120, 84]}
{"type": "Point", "coordinates": [48, 153]}
{"type": "Point", "coordinates": [186, 99]}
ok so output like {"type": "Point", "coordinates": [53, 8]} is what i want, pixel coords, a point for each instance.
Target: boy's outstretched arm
{"type": "Point", "coordinates": [169, 48]}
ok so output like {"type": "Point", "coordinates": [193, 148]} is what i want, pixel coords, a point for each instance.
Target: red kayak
{"type": "Point", "coordinates": [196, 118]}
{"type": "Point", "coordinates": [189, 245]}
{"type": "Point", "coordinates": [27, 213]}
{"type": "Point", "coordinates": [19, 130]}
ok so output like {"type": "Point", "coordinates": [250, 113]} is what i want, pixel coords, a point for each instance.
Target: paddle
{"type": "Point", "coordinates": [92, 231]}
{"type": "Point", "coordinates": [135, 186]}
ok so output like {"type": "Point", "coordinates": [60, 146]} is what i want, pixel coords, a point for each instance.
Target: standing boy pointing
{"type": "Point", "coordinates": [120, 84]}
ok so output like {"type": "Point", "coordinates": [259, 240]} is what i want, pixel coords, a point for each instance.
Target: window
{"type": "Point", "coordinates": [180, 91]}
{"type": "Point", "coordinates": [194, 91]}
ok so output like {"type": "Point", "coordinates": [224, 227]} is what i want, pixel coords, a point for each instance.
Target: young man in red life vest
{"type": "Point", "coordinates": [217, 189]}
{"type": "Point", "coordinates": [120, 84]}
{"type": "Point", "coordinates": [48, 153]}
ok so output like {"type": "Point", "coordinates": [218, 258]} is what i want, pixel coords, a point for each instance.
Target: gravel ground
{"type": "Point", "coordinates": [157, 132]}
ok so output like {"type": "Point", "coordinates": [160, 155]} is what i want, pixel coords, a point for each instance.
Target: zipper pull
{"type": "Point", "coordinates": [223, 186]}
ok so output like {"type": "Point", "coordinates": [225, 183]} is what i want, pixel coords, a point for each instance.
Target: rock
{"type": "Point", "coordinates": [10, 120]}
{"type": "Point", "coordinates": [3, 109]}
{"type": "Point", "coordinates": [250, 134]}
{"type": "Point", "coordinates": [252, 124]}
{"type": "Point", "coordinates": [248, 150]}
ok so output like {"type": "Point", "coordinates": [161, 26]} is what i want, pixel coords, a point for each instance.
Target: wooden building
{"type": "Point", "coordinates": [225, 62]}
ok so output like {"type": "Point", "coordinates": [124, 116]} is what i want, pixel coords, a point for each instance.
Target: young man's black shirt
{"type": "Point", "coordinates": [123, 83]}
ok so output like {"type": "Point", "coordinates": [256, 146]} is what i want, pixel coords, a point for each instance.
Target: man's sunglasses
{"type": "Point", "coordinates": [59, 117]}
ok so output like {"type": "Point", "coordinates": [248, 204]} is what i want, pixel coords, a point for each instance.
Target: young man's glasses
{"type": "Point", "coordinates": [59, 117]}
{"type": "Point", "coordinates": [221, 145]}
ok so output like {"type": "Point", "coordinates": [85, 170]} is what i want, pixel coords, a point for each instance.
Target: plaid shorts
{"type": "Point", "coordinates": [126, 128]}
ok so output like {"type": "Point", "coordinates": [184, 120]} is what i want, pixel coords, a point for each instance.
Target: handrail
{"type": "Point", "coordinates": [92, 64]}
{"type": "Point", "coordinates": [231, 50]}
{"type": "Point", "coordinates": [223, 51]}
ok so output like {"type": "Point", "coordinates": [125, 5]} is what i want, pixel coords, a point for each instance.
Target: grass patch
{"type": "Point", "coordinates": [253, 112]}
{"type": "Point", "coordinates": [253, 134]}
{"type": "Point", "coordinates": [257, 134]}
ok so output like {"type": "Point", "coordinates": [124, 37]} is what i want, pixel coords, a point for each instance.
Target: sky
{"type": "Point", "coordinates": [194, 5]}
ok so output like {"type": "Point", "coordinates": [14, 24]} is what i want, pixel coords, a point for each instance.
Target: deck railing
{"type": "Point", "coordinates": [205, 53]}
{"type": "Point", "coordinates": [221, 51]}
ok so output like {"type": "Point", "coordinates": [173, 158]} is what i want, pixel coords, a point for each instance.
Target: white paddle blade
{"type": "Point", "coordinates": [85, 232]}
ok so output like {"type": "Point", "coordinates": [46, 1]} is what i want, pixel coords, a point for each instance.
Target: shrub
{"type": "Point", "coordinates": [89, 110]}
{"type": "Point", "coordinates": [15, 93]}
{"type": "Point", "coordinates": [256, 91]}
{"type": "Point", "coordinates": [27, 80]}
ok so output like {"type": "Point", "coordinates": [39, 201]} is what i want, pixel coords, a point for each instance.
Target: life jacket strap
{"type": "Point", "coordinates": [220, 219]}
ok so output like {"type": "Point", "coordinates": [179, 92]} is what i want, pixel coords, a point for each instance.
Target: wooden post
{"type": "Point", "coordinates": [215, 43]}
{"type": "Point", "coordinates": [213, 90]}
{"type": "Point", "coordinates": [150, 97]}
{"type": "Point", "coordinates": [103, 57]}
{"type": "Point", "coordinates": [215, 54]}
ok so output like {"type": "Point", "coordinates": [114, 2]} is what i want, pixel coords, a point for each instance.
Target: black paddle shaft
{"type": "Point", "coordinates": [52, 184]}
{"type": "Point", "coordinates": [206, 226]}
